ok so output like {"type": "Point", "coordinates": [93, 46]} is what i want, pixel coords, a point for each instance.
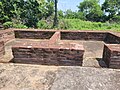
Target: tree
{"type": "Point", "coordinates": [60, 14]}
{"type": "Point", "coordinates": [6, 10]}
{"type": "Point", "coordinates": [27, 12]}
{"type": "Point", "coordinates": [91, 10]}
{"type": "Point", "coordinates": [111, 7]}
{"type": "Point", "coordinates": [30, 13]}
{"type": "Point", "coordinates": [46, 7]}
{"type": "Point", "coordinates": [69, 14]}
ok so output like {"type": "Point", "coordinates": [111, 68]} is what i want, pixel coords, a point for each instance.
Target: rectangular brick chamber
{"type": "Point", "coordinates": [33, 34]}
{"type": "Point", "coordinates": [55, 52]}
{"type": "Point", "coordinates": [111, 55]}
{"type": "Point", "coordinates": [48, 55]}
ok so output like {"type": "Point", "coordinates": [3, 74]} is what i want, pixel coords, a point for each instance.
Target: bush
{"type": "Point", "coordinates": [21, 26]}
{"type": "Point", "coordinates": [7, 25]}
{"type": "Point", "coordinates": [116, 19]}
{"type": "Point", "coordinates": [63, 24]}
{"type": "Point", "coordinates": [43, 25]}
{"type": "Point", "coordinates": [77, 24]}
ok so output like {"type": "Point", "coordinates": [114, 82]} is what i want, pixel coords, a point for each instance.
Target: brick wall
{"type": "Point", "coordinates": [33, 34]}
{"type": "Point", "coordinates": [99, 36]}
{"type": "Point", "coordinates": [48, 56]}
{"type": "Point", "coordinates": [55, 38]}
{"type": "Point", "coordinates": [111, 55]}
{"type": "Point", "coordinates": [5, 36]}
{"type": "Point", "coordinates": [112, 39]}
{"type": "Point", "coordinates": [54, 51]}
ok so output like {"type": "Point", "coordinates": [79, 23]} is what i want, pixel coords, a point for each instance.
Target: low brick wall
{"type": "Point", "coordinates": [112, 39]}
{"type": "Point", "coordinates": [2, 49]}
{"type": "Point", "coordinates": [49, 55]}
{"type": "Point", "coordinates": [107, 37]}
{"type": "Point", "coordinates": [25, 34]}
{"type": "Point", "coordinates": [55, 51]}
{"type": "Point", "coordinates": [99, 36]}
{"type": "Point", "coordinates": [6, 35]}
{"type": "Point", "coordinates": [111, 55]}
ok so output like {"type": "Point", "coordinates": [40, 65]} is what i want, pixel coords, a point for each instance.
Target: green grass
{"type": "Point", "coordinates": [76, 24]}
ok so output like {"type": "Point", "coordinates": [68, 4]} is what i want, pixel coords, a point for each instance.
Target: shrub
{"type": "Point", "coordinates": [64, 24]}
{"type": "Point", "coordinates": [116, 19]}
{"type": "Point", "coordinates": [7, 25]}
{"type": "Point", "coordinates": [77, 24]}
{"type": "Point", "coordinates": [43, 25]}
{"type": "Point", "coordinates": [21, 26]}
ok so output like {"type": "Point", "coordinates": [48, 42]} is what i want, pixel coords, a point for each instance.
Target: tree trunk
{"type": "Point", "coordinates": [55, 23]}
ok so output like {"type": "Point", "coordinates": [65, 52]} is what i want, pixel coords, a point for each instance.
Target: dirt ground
{"type": "Point", "coordinates": [38, 77]}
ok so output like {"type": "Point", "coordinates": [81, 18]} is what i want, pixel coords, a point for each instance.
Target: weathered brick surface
{"type": "Point", "coordinates": [6, 35]}
{"type": "Point", "coordinates": [112, 39]}
{"type": "Point", "coordinates": [33, 34]}
{"type": "Point", "coordinates": [2, 49]}
{"type": "Point", "coordinates": [108, 38]}
{"type": "Point", "coordinates": [49, 55]}
{"type": "Point", "coordinates": [99, 36]}
{"type": "Point", "coordinates": [111, 55]}
{"type": "Point", "coordinates": [54, 51]}
{"type": "Point", "coordinates": [55, 38]}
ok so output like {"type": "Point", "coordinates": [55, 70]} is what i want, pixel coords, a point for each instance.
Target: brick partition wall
{"type": "Point", "coordinates": [111, 55]}
{"type": "Point", "coordinates": [112, 39]}
{"type": "Point", "coordinates": [99, 36]}
{"type": "Point", "coordinates": [107, 37]}
{"type": "Point", "coordinates": [48, 55]}
{"type": "Point", "coordinates": [33, 34]}
{"type": "Point", "coordinates": [55, 38]}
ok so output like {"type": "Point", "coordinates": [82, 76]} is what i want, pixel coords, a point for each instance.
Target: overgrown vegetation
{"type": "Point", "coordinates": [25, 12]}
{"type": "Point", "coordinates": [40, 14]}
{"type": "Point", "coordinates": [77, 24]}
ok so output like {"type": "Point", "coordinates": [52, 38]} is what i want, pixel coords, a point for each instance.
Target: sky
{"type": "Point", "coordinates": [70, 4]}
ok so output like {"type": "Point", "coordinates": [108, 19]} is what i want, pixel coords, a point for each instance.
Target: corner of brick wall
{"type": "Point", "coordinates": [111, 55]}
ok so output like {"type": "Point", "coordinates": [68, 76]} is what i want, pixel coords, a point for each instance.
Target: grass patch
{"type": "Point", "coordinates": [77, 24]}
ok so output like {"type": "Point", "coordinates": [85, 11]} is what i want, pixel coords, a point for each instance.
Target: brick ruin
{"type": "Point", "coordinates": [49, 47]}
{"type": "Point", "coordinates": [5, 37]}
